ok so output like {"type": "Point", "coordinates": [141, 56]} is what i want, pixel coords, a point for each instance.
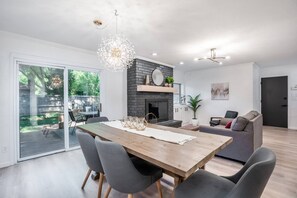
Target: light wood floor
{"type": "Point", "coordinates": [61, 175]}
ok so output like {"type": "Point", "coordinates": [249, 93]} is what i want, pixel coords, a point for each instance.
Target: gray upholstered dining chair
{"type": "Point", "coordinates": [97, 119]}
{"type": "Point", "coordinates": [124, 174]}
{"type": "Point", "coordinates": [249, 182]}
{"type": "Point", "coordinates": [88, 147]}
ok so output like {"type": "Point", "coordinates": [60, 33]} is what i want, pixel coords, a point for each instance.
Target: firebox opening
{"type": "Point", "coordinates": [158, 109]}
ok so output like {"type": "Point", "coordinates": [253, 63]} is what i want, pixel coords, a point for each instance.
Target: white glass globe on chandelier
{"type": "Point", "coordinates": [116, 52]}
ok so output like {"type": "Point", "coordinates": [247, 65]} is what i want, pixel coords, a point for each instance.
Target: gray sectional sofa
{"type": "Point", "coordinates": [245, 141]}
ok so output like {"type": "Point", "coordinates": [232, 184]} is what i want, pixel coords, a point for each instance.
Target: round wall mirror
{"type": "Point", "coordinates": [157, 77]}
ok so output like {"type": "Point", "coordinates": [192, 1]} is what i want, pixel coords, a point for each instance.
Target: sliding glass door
{"type": "Point", "coordinates": [53, 101]}
{"type": "Point", "coordinates": [83, 99]}
{"type": "Point", "coordinates": [41, 110]}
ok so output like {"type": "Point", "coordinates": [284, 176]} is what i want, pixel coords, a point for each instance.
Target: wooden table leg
{"type": "Point", "coordinates": [172, 194]}
{"type": "Point", "coordinates": [177, 181]}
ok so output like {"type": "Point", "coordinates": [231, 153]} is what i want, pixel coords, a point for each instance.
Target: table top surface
{"type": "Point", "coordinates": [180, 160]}
{"type": "Point", "coordinates": [190, 127]}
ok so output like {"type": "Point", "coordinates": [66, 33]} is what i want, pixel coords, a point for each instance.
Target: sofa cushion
{"type": "Point", "coordinates": [239, 123]}
{"type": "Point", "coordinates": [228, 125]}
{"type": "Point", "coordinates": [251, 115]}
{"type": "Point", "coordinates": [256, 113]}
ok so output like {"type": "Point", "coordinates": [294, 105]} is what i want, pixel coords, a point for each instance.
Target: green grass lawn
{"type": "Point", "coordinates": [26, 122]}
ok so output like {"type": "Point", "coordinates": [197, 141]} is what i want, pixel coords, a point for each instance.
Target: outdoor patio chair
{"type": "Point", "coordinates": [75, 120]}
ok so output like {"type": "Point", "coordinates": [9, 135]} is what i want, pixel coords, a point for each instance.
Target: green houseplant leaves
{"type": "Point", "coordinates": [193, 103]}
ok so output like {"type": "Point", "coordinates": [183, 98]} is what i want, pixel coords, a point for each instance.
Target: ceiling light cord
{"type": "Point", "coordinates": [116, 15]}
{"type": "Point", "coordinates": [213, 53]}
{"type": "Point", "coordinates": [116, 52]}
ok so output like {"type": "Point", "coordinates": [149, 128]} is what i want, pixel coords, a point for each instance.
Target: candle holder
{"type": "Point", "coordinates": [138, 123]}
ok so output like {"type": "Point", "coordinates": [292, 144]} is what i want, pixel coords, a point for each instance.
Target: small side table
{"type": "Point", "coordinates": [190, 127]}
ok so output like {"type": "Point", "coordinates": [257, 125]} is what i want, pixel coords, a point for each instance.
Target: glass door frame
{"type": "Point", "coordinates": [98, 71]}
{"type": "Point", "coordinates": [65, 68]}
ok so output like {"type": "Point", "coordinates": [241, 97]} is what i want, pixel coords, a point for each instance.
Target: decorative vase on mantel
{"type": "Point", "coordinates": [147, 80]}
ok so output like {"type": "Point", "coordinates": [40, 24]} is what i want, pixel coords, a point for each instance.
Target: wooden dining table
{"type": "Point", "coordinates": [178, 161]}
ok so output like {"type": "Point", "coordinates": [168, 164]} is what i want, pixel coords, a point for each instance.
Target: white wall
{"type": "Point", "coordinates": [241, 98]}
{"type": "Point", "coordinates": [113, 86]}
{"type": "Point", "coordinates": [178, 76]}
{"type": "Point", "coordinates": [291, 72]}
{"type": "Point", "coordinates": [257, 88]}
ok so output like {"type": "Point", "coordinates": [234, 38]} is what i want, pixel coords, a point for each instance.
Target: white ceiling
{"type": "Point", "coordinates": [262, 31]}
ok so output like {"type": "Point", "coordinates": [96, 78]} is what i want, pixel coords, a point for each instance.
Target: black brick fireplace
{"type": "Point", "coordinates": [138, 102]}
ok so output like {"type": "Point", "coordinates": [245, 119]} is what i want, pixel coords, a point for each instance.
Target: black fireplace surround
{"type": "Point", "coordinates": [156, 110]}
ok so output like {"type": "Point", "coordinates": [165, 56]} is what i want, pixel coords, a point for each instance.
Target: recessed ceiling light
{"type": "Point", "coordinates": [221, 63]}
{"type": "Point", "coordinates": [181, 62]}
{"type": "Point", "coordinates": [196, 59]}
{"type": "Point", "coordinates": [154, 54]}
{"type": "Point", "coordinates": [227, 57]}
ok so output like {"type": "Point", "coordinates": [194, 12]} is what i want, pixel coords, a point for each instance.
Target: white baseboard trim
{"type": "Point", "coordinates": [5, 164]}
{"type": "Point", "coordinates": [292, 128]}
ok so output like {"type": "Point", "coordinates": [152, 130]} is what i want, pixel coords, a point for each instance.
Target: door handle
{"type": "Point", "coordinates": [284, 105]}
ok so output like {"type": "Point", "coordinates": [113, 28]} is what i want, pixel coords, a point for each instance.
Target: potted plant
{"type": "Point", "coordinates": [193, 104]}
{"type": "Point", "coordinates": [169, 81]}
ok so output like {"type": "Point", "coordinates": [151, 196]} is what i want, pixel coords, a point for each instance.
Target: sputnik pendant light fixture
{"type": "Point", "coordinates": [213, 57]}
{"type": "Point", "coordinates": [56, 81]}
{"type": "Point", "coordinates": [116, 52]}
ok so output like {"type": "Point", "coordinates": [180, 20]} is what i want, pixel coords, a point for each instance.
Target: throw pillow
{"type": "Point", "coordinates": [239, 124]}
{"type": "Point", "coordinates": [228, 125]}
{"type": "Point", "coordinates": [233, 122]}
{"type": "Point", "coordinates": [249, 116]}
{"type": "Point", "coordinates": [256, 113]}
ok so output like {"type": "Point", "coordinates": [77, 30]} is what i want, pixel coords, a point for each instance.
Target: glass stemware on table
{"type": "Point", "coordinates": [138, 123]}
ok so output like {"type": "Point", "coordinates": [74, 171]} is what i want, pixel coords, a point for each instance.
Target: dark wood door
{"type": "Point", "coordinates": [274, 94]}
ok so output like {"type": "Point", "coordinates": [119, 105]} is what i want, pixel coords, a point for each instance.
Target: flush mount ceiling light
{"type": "Point", "coordinates": [213, 57]}
{"type": "Point", "coordinates": [116, 52]}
